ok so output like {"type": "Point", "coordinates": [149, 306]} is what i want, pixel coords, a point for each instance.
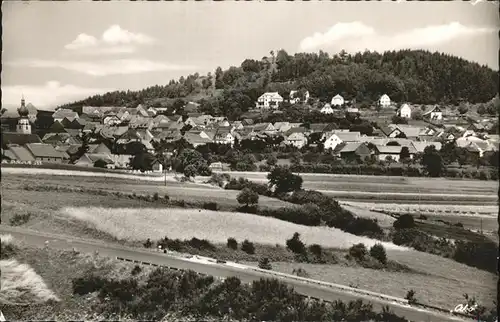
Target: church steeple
{"type": "Point", "coordinates": [23, 125]}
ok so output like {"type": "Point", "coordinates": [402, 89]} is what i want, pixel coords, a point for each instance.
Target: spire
{"type": "Point", "coordinates": [23, 111]}
{"type": "Point", "coordinates": [22, 100]}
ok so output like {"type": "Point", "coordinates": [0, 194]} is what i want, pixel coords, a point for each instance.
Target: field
{"type": "Point", "coordinates": [387, 184]}
{"type": "Point", "coordinates": [140, 224]}
{"type": "Point", "coordinates": [444, 291]}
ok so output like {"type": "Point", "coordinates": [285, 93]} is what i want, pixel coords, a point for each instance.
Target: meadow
{"type": "Point", "coordinates": [215, 226]}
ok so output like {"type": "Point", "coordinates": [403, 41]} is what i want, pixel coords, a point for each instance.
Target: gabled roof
{"type": "Point", "coordinates": [318, 127]}
{"type": "Point", "coordinates": [349, 136]}
{"type": "Point", "coordinates": [20, 153]}
{"type": "Point", "coordinates": [41, 150]}
{"type": "Point", "coordinates": [296, 136]}
{"type": "Point", "coordinates": [389, 149]}
{"type": "Point", "coordinates": [299, 129]}
{"type": "Point", "coordinates": [99, 148]}
{"type": "Point", "coordinates": [351, 147]}
{"type": "Point", "coordinates": [262, 126]}
{"type": "Point", "coordinates": [408, 130]}
{"type": "Point", "coordinates": [431, 109]}
{"type": "Point", "coordinates": [271, 95]}
{"type": "Point", "coordinates": [62, 113]}
{"type": "Point", "coordinates": [420, 146]}
{"type": "Point", "coordinates": [195, 139]}
{"type": "Point", "coordinates": [19, 138]}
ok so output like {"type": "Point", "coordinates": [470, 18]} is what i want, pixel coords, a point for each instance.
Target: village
{"type": "Point", "coordinates": [40, 136]}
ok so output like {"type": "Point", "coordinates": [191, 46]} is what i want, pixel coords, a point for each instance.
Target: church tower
{"type": "Point", "coordinates": [23, 125]}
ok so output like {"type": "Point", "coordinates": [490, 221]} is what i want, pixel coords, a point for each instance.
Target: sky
{"type": "Point", "coordinates": [58, 52]}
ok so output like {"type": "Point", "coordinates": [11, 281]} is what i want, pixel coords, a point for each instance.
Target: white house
{"type": "Point", "coordinates": [296, 139]}
{"type": "Point", "coordinates": [269, 100]}
{"type": "Point", "coordinates": [333, 139]}
{"type": "Point", "coordinates": [384, 101]}
{"type": "Point", "coordinates": [337, 100]}
{"type": "Point", "coordinates": [434, 113]}
{"type": "Point", "coordinates": [331, 142]}
{"type": "Point", "coordinates": [327, 109]}
{"type": "Point", "coordinates": [404, 111]}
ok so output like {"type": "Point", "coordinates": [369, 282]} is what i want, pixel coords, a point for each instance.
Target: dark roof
{"type": "Point", "coordinates": [21, 153]}
{"type": "Point", "coordinates": [43, 150]}
{"type": "Point", "coordinates": [19, 138]}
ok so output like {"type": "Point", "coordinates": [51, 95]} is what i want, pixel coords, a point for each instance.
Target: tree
{"type": "Point", "coordinates": [432, 161]}
{"type": "Point", "coordinates": [410, 296]}
{"type": "Point", "coordinates": [100, 164]}
{"type": "Point", "coordinates": [271, 160]}
{"type": "Point", "coordinates": [142, 161]}
{"type": "Point", "coordinates": [265, 264]}
{"type": "Point", "coordinates": [191, 163]}
{"type": "Point", "coordinates": [232, 243]}
{"type": "Point", "coordinates": [218, 78]}
{"type": "Point", "coordinates": [248, 197]}
{"type": "Point", "coordinates": [396, 119]}
{"type": "Point", "coordinates": [405, 221]}
{"type": "Point", "coordinates": [417, 115]}
{"type": "Point", "coordinates": [404, 155]}
{"type": "Point", "coordinates": [295, 244]}
{"type": "Point", "coordinates": [377, 251]}
{"type": "Point", "coordinates": [284, 180]}
{"type": "Point", "coordinates": [358, 251]}
{"type": "Point", "coordinates": [462, 109]}
{"type": "Point", "coordinates": [248, 247]}
{"type": "Point", "coordinates": [84, 148]}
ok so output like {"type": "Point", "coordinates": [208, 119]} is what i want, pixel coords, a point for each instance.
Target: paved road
{"type": "Point", "coordinates": [89, 246]}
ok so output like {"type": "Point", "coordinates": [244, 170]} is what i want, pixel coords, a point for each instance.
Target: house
{"type": "Point", "coordinates": [111, 119]}
{"type": "Point", "coordinates": [420, 146]}
{"type": "Point", "coordinates": [99, 149]}
{"type": "Point", "coordinates": [19, 153]}
{"type": "Point", "coordinates": [354, 151]}
{"type": "Point", "coordinates": [348, 137]}
{"type": "Point", "coordinates": [331, 141]}
{"type": "Point", "coordinates": [297, 140]}
{"type": "Point", "coordinates": [237, 125]}
{"type": "Point", "coordinates": [9, 138]}
{"type": "Point", "coordinates": [298, 96]}
{"type": "Point", "coordinates": [335, 138]}
{"type": "Point", "coordinates": [337, 100]}
{"type": "Point", "coordinates": [433, 113]}
{"type": "Point", "coordinates": [404, 111]}
{"type": "Point", "coordinates": [264, 127]}
{"type": "Point", "coordinates": [327, 109]}
{"type": "Point", "coordinates": [384, 101]}
{"type": "Point", "coordinates": [192, 107]}
{"type": "Point", "coordinates": [390, 132]}
{"type": "Point", "coordinates": [157, 166]}
{"type": "Point", "coordinates": [383, 152]}
{"type": "Point", "coordinates": [317, 127]}
{"type": "Point", "coordinates": [89, 159]}
{"type": "Point", "coordinates": [44, 152]}
{"type": "Point", "coordinates": [269, 100]}
{"type": "Point", "coordinates": [196, 140]}
{"type": "Point", "coordinates": [175, 118]}
{"type": "Point", "coordinates": [62, 113]}
{"type": "Point", "coordinates": [224, 137]}
{"type": "Point", "coordinates": [410, 131]}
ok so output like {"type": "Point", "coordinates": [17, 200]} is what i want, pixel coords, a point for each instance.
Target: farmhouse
{"type": "Point", "coordinates": [354, 151]}
{"type": "Point", "coordinates": [433, 113]}
{"type": "Point", "coordinates": [337, 100]}
{"type": "Point", "coordinates": [44, 152]}
{"type": "Point", "coordinates": [384, 101]}
{"type": "Point", "coordinates": [269, 100]}
{"type": "Point", "coordinates": [297, 140]}
{"type": "Point", "coordinates": [404, 111]}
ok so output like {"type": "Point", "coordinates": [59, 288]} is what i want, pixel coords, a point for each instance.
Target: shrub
{"type": "Point", "coordinates": [248, 247]}
{"type": "Point", "coordinates": [87, 284]}
{"type": "Point", "coordinates": [423, 217]}
{"type": "Point", "coordinates": [358, 251]}
{"type": "Point", "coordinates": [264, 263]}
{"type": "Point", "coordinates": [136, 270]}
{"type": "Point", "coordinates": [100, 164]}
{"type": "Point", "coordinates": [20, 219]}
{"type": "Point", "coordinates": [201, 244]}
{"type": "Point", "coordinates": [7, 250]}
{"type": "Point", "coordinates": [300, 272]}
{"type": "Point", "coordinates": [296, 245]}
{"type": "Point", "coordinates": [482, 254]}
{"type": "Point", "coordinates": [211, 206]}
{"type": "Point", "coordinates": [166, 197]}
{"type": "Point", "coordinates": [148, 243]}
{"type": "Point", "coordinates": [410, 296]}
{"type": "Point", "coordinates": [483, 175]}
{"type": "Point", "coordinates": [377, 251]}
{"type": "Point", "coordinates": [316, 250]}
{"type": "Point", "coordinates": [459, 224]}
{"type": "Point", "coordinates": [232, 243]}
{"type": "Point", "coordinates": [405, 221]}
{"type": "Point", "coordinates": [156, 197]}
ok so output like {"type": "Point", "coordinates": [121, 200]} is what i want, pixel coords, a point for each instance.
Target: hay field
{"type": "Point", "coordinates": [140, 224]}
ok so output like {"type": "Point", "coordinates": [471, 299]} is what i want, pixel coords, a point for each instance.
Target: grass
{"type": "Point", "coordinates": [217, 227]}
{"type": "Point", "coordinates": [21, 285]}
{"type": "Point", "coordinates": [441, 291]}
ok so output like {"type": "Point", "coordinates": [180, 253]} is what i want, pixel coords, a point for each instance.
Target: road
{"type": "Point", "coordinates": [63, 242]}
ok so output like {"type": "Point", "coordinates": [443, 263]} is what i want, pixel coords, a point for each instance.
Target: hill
{"type": "Point", "coordinates": [414, 76]}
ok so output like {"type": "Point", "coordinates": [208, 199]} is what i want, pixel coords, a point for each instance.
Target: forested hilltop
{"type": "Point", "coordinates": [413, 76]}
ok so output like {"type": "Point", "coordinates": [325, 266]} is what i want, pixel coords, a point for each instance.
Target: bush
{"type": "Point", "coordinates": [296, 245]}
{"type": "Point", "coordinates": [148, 243]}
{"type": "Point", "coordinates": [248, 247]}
{"type": "Point", "coordinates": [232, 243]}
{"type": "Point", "coordinates": [166, 197]}
{"type": "Point", "coordinates": [300, 272]}
{"type": "Point", "coordinates": [358, 251]}
{"type": "Point", "coordinates": [156, 197]}
{"type": "Point", "coordinates": [459, 224]}
{"type": "Point", "coordinates": [410, 296]}
{"type": "Point", "coordinates": [377, 251]}
{"type": "Point", "coordinates": [264, 263]}
{"type": "Point", "coordinates": [7, 250]}
{"type": "Point", "coordinates": [482, 255]}
{"type": "Point", "coordinates": [100, 164]}
{"type": "Point", "coordinates": [423, 217]}
{"type": "Point", "coordinates": [211, 206]}
{"type": "Point", "coordinates": [201, 244]}
{"type": "Point", "coordinates": [316, 250]}
{"type": "Point", "coordinates": [136, 270]}
{"type": "Point", "coordinates": [404, 222]}
{"type": "Point", "coordinates": [20, 219]}
{"type": "Point", "coordinates": [87, 284]}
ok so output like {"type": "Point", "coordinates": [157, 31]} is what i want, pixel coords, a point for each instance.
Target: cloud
{"type": "Point", "coordinates": [356, 36]}
{"type": "Point", "coordinates": [48, 95]}
{"type": "Point", "coordinates": [105, 67]}
{"type": "Point", "coordinates": [114, 40]}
